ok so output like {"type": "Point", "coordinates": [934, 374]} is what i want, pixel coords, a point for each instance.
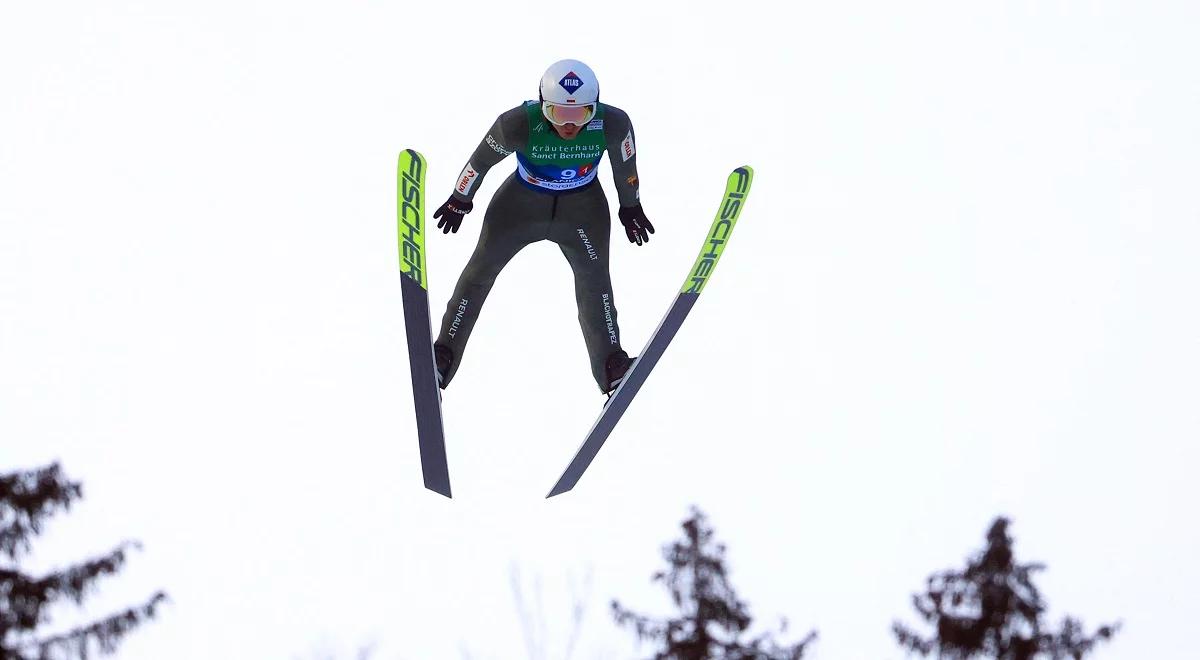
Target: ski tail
{"type": "Point", "coordinates": [414, 281]}
{"type": "Point", "coordinates": [737, 188]}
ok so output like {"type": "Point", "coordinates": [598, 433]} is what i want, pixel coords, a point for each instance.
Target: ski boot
{"type": "Point", "coordinates": [615, 367]}
{"type": "Point", "coordinates": [442, 357]}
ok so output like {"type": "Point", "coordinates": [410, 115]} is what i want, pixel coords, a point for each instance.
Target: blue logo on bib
{"type": "Point", "coordinates": [571, 83]}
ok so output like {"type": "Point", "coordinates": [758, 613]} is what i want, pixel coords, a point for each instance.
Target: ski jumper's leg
{"type": "Point", "coordinates": [581, 229]}
{"type": "Point", "coordinates": [515, 218]}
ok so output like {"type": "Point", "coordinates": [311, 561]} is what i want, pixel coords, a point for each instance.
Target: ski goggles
{"type": "Point", "coordinates": [568, 114]}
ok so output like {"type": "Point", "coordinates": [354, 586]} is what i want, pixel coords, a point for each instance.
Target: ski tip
{"type": "Point", "coordinates": [440, 490]}
{"type": "Point", "coordinates": [559, 489]}
{"type": "Point", "coordinates": [410, 160]}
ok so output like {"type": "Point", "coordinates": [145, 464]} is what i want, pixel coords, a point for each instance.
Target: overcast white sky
{"type": "Point", "coordinates": [964, 285]}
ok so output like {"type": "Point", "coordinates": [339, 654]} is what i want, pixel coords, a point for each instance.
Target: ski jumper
{"type": "Point", "coordinates": [553, 195]}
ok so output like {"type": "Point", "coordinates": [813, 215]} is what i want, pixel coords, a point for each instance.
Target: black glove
{"type": "Point", "coordinates": [451, 214]}
{"type": "Point", "coordinates": [636, 224]}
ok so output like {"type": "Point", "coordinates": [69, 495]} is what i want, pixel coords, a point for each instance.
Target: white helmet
{"type": "Point", "coordinates": [569, 82]}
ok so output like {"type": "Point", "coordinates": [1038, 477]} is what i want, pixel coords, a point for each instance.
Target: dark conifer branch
{"type": "Point", "coordinates": [712, 618]}
{"type": "Point", "coordinates": [26, 500]}
{"type": "Point", "coordinates": [992, 609]}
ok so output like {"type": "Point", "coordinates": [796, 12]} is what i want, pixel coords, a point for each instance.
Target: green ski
{"type": "Point", "coordinates": [737, 187]}
{"type": "Point", "coordinates": [414, 285]}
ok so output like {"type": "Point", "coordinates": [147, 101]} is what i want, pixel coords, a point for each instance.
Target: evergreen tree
{"type": "Point", "coordinates": [712, 619]}
{"type": "Point", "coordinates": [993, 610]}
{"type": "Point", "coordinates": [27, 499]}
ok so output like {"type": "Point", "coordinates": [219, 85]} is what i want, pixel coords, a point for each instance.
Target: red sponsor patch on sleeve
{"type": "Point", "coordinates": [466, 180]}
{"type": "Point", "coordinates": [627, 148]}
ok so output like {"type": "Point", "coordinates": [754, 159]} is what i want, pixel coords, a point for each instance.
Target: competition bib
{"type": "Point", "coordinates": [552, 163]}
